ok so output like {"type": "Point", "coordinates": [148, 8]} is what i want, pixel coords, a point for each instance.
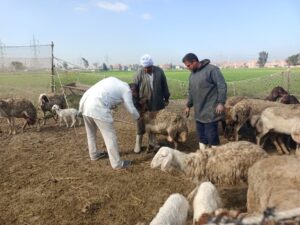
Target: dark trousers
{"type": "Point", "coordinates": [140, 125]}
{"type": "Point", "coordinates": [208, 133]}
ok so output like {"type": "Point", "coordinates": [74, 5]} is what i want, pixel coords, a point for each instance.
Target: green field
{"type": "Point", "coordinates": [249, 82]}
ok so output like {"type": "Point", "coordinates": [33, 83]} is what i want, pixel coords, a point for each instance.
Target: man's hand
{"type": "Point", "coordinates": [187, 112]}
{"type": "Point", "coordinates": [220, 109]}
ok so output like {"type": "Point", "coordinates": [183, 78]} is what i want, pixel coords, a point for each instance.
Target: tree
{"type": "Point", "coordinates": [262, 59]}
{"type": "Point", "coordinates": [104, 67]}
{"type": "Point", "coordinates": [65, 65]}
{"type": "Point", "coordinates": [18, 65]}
{"type": "Point", "coordinates": [293, 60]}
{"type": "Point", "coordinates": [85, 62]}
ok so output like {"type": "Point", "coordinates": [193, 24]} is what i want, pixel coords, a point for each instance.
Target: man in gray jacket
{"type": "Point", "coordinates": [207, 94]}
{"type": "Point", "coordinates": [153, 91]}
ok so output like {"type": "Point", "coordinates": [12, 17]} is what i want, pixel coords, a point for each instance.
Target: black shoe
{"type": "Point", "coordinates": [101, 155]}
{"type": "Point", "coordinates": [126, 164]}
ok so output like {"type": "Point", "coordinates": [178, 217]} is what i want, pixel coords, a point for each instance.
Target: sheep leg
{"type": "Point", "coordinates": [66, 121]}
{"type": "Point", "coordinates": [282, 145]}
{"type": "Point", "coordinates": [13, 125]}
{"type": "Point", "coordinates": [278, 148]}
{"type": "Point", "coordinates": [149, 140]}
{"type": "Point", "coordinates": [44, 118]}
{"type": "Point", "coordinates": [73, 121]}
{"type": "Point", "coordinates": [60, 121]}
{"type": "Point", "coordinates": [9, 124]}
{"type": "Point", "coordinates": [236, 131]}
{"type": "Point", "coordinates": [24, 125]}
{"type": "Point", "coordinates": [175, 144]}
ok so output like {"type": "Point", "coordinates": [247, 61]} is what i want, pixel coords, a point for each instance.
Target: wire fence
{"type": "Point", "coordinates": [27, 71]}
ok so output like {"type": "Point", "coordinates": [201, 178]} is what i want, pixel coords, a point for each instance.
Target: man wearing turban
{"type": "Point", "coordinates": [153, 91]}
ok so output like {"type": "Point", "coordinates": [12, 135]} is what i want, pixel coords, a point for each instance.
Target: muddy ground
{"type": "Point", "coordinates": [46, 177]}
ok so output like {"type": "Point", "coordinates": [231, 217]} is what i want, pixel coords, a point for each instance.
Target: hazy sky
{"type": "Point", "coordinates": [122, 31]}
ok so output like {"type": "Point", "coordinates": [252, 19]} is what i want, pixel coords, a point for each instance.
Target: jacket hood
{"type": "Point", "coordinates": [204, 63]}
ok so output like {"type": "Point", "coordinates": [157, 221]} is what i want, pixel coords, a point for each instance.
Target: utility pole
{"type": "Point", "coordinates": [52, 68]}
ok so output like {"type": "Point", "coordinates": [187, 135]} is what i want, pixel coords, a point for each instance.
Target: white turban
{"type": "Point", "coordinates": [146, 61]}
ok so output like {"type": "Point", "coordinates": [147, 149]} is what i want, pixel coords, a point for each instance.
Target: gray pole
{"type": "Point", "coordinates": [52, 68]}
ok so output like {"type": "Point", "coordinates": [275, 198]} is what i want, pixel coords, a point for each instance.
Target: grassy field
{"type": "Point", "coordinates": [252, 82]}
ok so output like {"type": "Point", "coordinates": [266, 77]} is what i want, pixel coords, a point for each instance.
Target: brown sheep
{"type": "Point", "coordinates": [18, 108]}
{"type": "Point", "coordinates": [166, 123]}
{"type": "Point", "coordinates": [289, 99]}
{"type": "Point", "coordinates": [276, 93]}
{"type": "Point", "coordinates": [244, 110]}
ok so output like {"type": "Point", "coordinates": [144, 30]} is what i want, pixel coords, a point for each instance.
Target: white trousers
{"type": "Point", "coordinates": [110, 139]}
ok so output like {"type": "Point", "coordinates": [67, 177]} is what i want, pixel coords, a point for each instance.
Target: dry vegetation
{"type": "Point", "coordinates": [47, 177]}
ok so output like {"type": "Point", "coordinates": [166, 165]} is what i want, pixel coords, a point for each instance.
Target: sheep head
{"type": "Point", "coordinates": [55, 107]}
{"type": "Point", "coordinates": [43, 99]}
{"type": "Point", "coordinates": [163, 159]}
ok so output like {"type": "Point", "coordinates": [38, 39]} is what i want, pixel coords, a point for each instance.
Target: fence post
{"type": "Point", "coordinates": [288, 79]}
{"type": "Point", "coordinates": [52, 68]}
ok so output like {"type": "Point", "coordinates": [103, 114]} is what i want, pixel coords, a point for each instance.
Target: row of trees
{"type": "Point", "coordinates": [293, 60]}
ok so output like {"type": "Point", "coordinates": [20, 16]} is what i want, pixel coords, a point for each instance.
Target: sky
{"type": "Point", "coordinates": [122, 31]}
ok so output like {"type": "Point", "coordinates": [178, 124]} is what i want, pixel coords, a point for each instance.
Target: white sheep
{"type": "Point", "coordinates": [173, 212]}
{"type": "Point", "coordinates": [274, 182]}
{"type": "Point", "coordinates": [206, 199]}
{"type": "Point", "coordinates": [166, 123]}
{"type": "Point", "coordinates": [18, 108]}
{"type": "Point", "coordinates": [279, 120]}
{"type": "Point", "coordinates": [64, 114]}
{"type": "Point", "coordinates": [226, 164]}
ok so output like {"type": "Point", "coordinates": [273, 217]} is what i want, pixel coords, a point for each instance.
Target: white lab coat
{"type": "Point", "coordinates": [99, 99]}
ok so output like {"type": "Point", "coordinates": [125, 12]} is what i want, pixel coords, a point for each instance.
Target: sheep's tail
{"type": "Point", "coordinates": [43, 98]}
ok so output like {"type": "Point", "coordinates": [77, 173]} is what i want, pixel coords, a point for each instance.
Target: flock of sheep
{"type": "Point", "coordinates": [273, 181]}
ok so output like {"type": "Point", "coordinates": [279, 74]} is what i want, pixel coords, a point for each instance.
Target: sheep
{"type": "Point", "coordinates": [63, 114]}
{"type": "Point", "coordinates": [225, 165]}
{"type": "Point", "coordinates": [206, 199]}
{"type": "Point", "coordinates": [274, 182]}
{"type": "Point", "coordinates": [230, 102]}
{"type": "Point", "coordinates": [220, 216]}
{"type": "Point", "coordinates": [18, 108]}
{"type": "Point", "coordinates": [244, 110]}
{"type": "Point", "coordinates": [46, 102]}
{"type": "Point", "coordinates": [166, 123]}
{"type": "Point", "coordinates": [296, 136]}
{"type": "Point", "coordinates": [289, 99]}
{"type": "Point", "coordinates": [276, 93]}
{"type": "Point", "coordinates": [174, 211]}
{"type": "Point", "coordinates": [279, 120]}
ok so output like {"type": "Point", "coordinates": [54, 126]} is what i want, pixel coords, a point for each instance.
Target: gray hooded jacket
{"type": "Point", "coordinates": [207, 88]}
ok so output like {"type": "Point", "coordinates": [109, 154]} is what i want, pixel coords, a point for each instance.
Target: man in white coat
{"type": "Point", "coordinates": [95, 106]}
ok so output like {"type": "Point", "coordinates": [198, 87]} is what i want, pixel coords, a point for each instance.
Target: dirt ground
{"type": "Point", "coordinates": [46, 177]}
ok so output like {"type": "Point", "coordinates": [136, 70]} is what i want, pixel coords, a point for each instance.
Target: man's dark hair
{"type": "Point", "coordinates": [190, 57]}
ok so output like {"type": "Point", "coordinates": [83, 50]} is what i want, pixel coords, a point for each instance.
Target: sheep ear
{"type": "Point", "coordinates": [167, 161]}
